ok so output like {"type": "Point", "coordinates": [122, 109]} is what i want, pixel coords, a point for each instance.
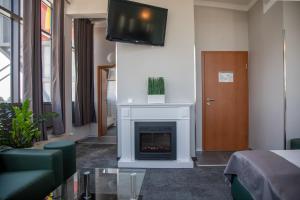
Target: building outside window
{"type": "Point", "coordinates": [46, 30]}
{"type": "Point", "coordinates": [10, 48]}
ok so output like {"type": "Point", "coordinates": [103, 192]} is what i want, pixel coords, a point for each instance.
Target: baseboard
{"type": "Point", "coordinates": [199, 149]}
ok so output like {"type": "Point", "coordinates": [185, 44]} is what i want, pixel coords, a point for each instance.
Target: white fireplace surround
{"type": "Point", "coordinates": [131, 113]}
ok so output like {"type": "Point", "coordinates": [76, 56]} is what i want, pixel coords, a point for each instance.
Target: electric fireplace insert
{"type": "Point", "coordinates": [155, 140]}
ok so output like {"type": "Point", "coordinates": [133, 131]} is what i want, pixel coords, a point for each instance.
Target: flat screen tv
{"type": "Point", "coordinates": [138, 23]}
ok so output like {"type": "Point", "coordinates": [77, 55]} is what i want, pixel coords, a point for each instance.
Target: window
{"type": "Point", "coordinates": [10, 31]}
{"type": "Point", "coordinates": [5, 59]}
{"type": "Point", "coordinates": [6, 4]}
{"type": "Point", "coordinates": [11, 73]}
{"type": "Point", "coordinates": [46, 31]}
{"type": "Point", "coordinates": [73, 75]}
{"type": "Point", "coordinates": [73, 66]}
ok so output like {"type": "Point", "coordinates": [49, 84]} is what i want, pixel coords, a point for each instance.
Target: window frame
{"type": "Point", "coordinates": [16, 20]}
{"type": "Point", "coordinates": [48, 3]}
{"type": "Point", "coordinates": [73, 67]}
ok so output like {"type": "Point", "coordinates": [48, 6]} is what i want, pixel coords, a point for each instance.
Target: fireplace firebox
{"type": "Point", "coordinates": [155, 140]}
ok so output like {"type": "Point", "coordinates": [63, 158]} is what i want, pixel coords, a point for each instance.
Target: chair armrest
{"type": "Point", "coordinates": [33, 159]}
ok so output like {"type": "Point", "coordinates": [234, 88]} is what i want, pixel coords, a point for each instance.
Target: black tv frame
{"type": "Point", "coordinates": [108, 37]}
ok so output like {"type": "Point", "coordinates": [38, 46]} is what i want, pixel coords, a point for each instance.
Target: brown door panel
{"type": "Point", "coordinates": [225, 104]}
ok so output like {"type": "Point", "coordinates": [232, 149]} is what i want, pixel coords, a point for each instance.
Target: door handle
{"type": "Point", "coordinates": [209, 100]}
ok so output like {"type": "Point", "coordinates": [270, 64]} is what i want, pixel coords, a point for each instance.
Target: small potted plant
{"type": "Point", "coordinates": [156, 90]}
{"type": "Point", "coordinates": [19, 126]}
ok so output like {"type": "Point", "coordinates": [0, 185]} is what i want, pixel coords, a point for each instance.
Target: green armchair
{"type": "Point", "coordinates": [29, 173]}
{"type": "Point", "coordinates": [295, 144]}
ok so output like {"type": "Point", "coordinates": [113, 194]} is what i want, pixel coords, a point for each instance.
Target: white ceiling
{"type": "Point", "coordinates": [238, 2]}
{"type": "Point", "coordinates": [242, 5]}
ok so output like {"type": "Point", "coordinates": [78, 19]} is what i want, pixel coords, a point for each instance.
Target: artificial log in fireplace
{"type": "Point", "coordinates": [155, 140]}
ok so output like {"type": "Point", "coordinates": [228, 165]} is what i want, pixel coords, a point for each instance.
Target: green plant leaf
{"type": "Point", "coordinates": [18, 125]}
{"type": "Point", "coordinates": [156, 86]}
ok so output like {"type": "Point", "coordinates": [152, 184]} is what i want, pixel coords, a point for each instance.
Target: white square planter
{"type": "Point", "coordinates": [156, 99]}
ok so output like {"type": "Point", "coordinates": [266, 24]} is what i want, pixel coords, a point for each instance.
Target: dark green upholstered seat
{"type": "Point", "coordinates": [238, 191]}
{"type": "Point", "coordinates": [295, 143]}
{"type": "Point", "coordinates": [69, 156]}
{"type": "Point", "coordinates": [29, 173]}
{"type": "Point", "coordinates": [26, 184]}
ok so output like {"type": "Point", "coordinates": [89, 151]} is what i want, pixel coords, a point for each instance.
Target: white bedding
{"type": "Point", "coordinates": [292, 156]}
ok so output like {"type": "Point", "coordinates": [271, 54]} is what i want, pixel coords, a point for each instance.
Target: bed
{"type": "Point", "coordinates": [256, 175]}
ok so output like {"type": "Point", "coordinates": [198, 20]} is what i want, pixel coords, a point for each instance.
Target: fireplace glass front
{"type": "Point", "coordinates": [155, 140]}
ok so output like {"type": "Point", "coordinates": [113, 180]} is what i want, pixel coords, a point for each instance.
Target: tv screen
{"type": "Point", "coordinates": [136, 23]}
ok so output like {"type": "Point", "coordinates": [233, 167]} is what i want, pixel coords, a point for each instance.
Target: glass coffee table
{"type": "Point", "coordinates": [102, 184]}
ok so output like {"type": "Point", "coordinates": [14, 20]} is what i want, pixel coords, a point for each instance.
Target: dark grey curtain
{"type": "Point", "coordinates": [84, 109]}
{"type": "Point", "coordinates": [58, 67]}
{"type": "Point", "coordinates": [32, 67]}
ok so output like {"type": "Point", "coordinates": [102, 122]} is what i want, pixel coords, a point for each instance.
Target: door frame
{"type": "Point", "coordinates": [101, 126]}
{"type": "Point", "coordinates": [203, 93]}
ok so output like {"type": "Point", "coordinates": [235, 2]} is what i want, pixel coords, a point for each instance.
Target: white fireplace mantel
{"type": "Point", "coordinates": [131, 113]}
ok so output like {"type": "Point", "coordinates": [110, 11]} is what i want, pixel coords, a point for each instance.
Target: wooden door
{"type": "Point", "coordinates": [225, 101]}
{"type": "Point", "coordinates": [102, 101]}
{"type": "Point", "coordinates": [102, 75]}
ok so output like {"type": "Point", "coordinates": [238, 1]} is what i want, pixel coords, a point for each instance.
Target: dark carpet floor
{"type": "Point", "coordinates": [112, 131]}
{"type": "Point", "coordinates": [205, 183]}
{"type": "Point", "coordinates": [96, 140]}
{"type": "Point", "coordinates": [161, 184]}
{"type": "Point", "coordinates": [212, 158]}
{"type": "Point", "coordinates": [96, 155]}
{"type": "Point", "coordinates": [109, 138]}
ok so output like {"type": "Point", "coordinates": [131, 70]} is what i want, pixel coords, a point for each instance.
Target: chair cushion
{"type": "Point", "coordinates": [238, 191]}
{"type": "Point", "coordinates": [69, 156]}
{"type": "Point", "coordinates": [295, 144]}
{"type": "Point", "coordinates": [26, 184]}
{"type": "Point", "coordinates": [63, 144]}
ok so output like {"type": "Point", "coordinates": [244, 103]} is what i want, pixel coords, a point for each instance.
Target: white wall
{"type": "Point", "coordinates": [174, 61]}
{"type": "Point", "coordinates": [83, 8]}
{"type": "Point", "coordinates": [216, 29]}
{"type": "Point", "coordinates": [80, 9]}
{"type": "Point", "coordinates": [102, 48]}
{"type": "Point", "coordinates": [266, 77]}
{"type": "Point", "coordinates": [85, 130]}
{"type": "Point", "coordinates": [291, 17]}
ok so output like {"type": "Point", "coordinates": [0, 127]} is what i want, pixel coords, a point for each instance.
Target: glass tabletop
{"type": "Point", "coordinates": [104, 184]}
